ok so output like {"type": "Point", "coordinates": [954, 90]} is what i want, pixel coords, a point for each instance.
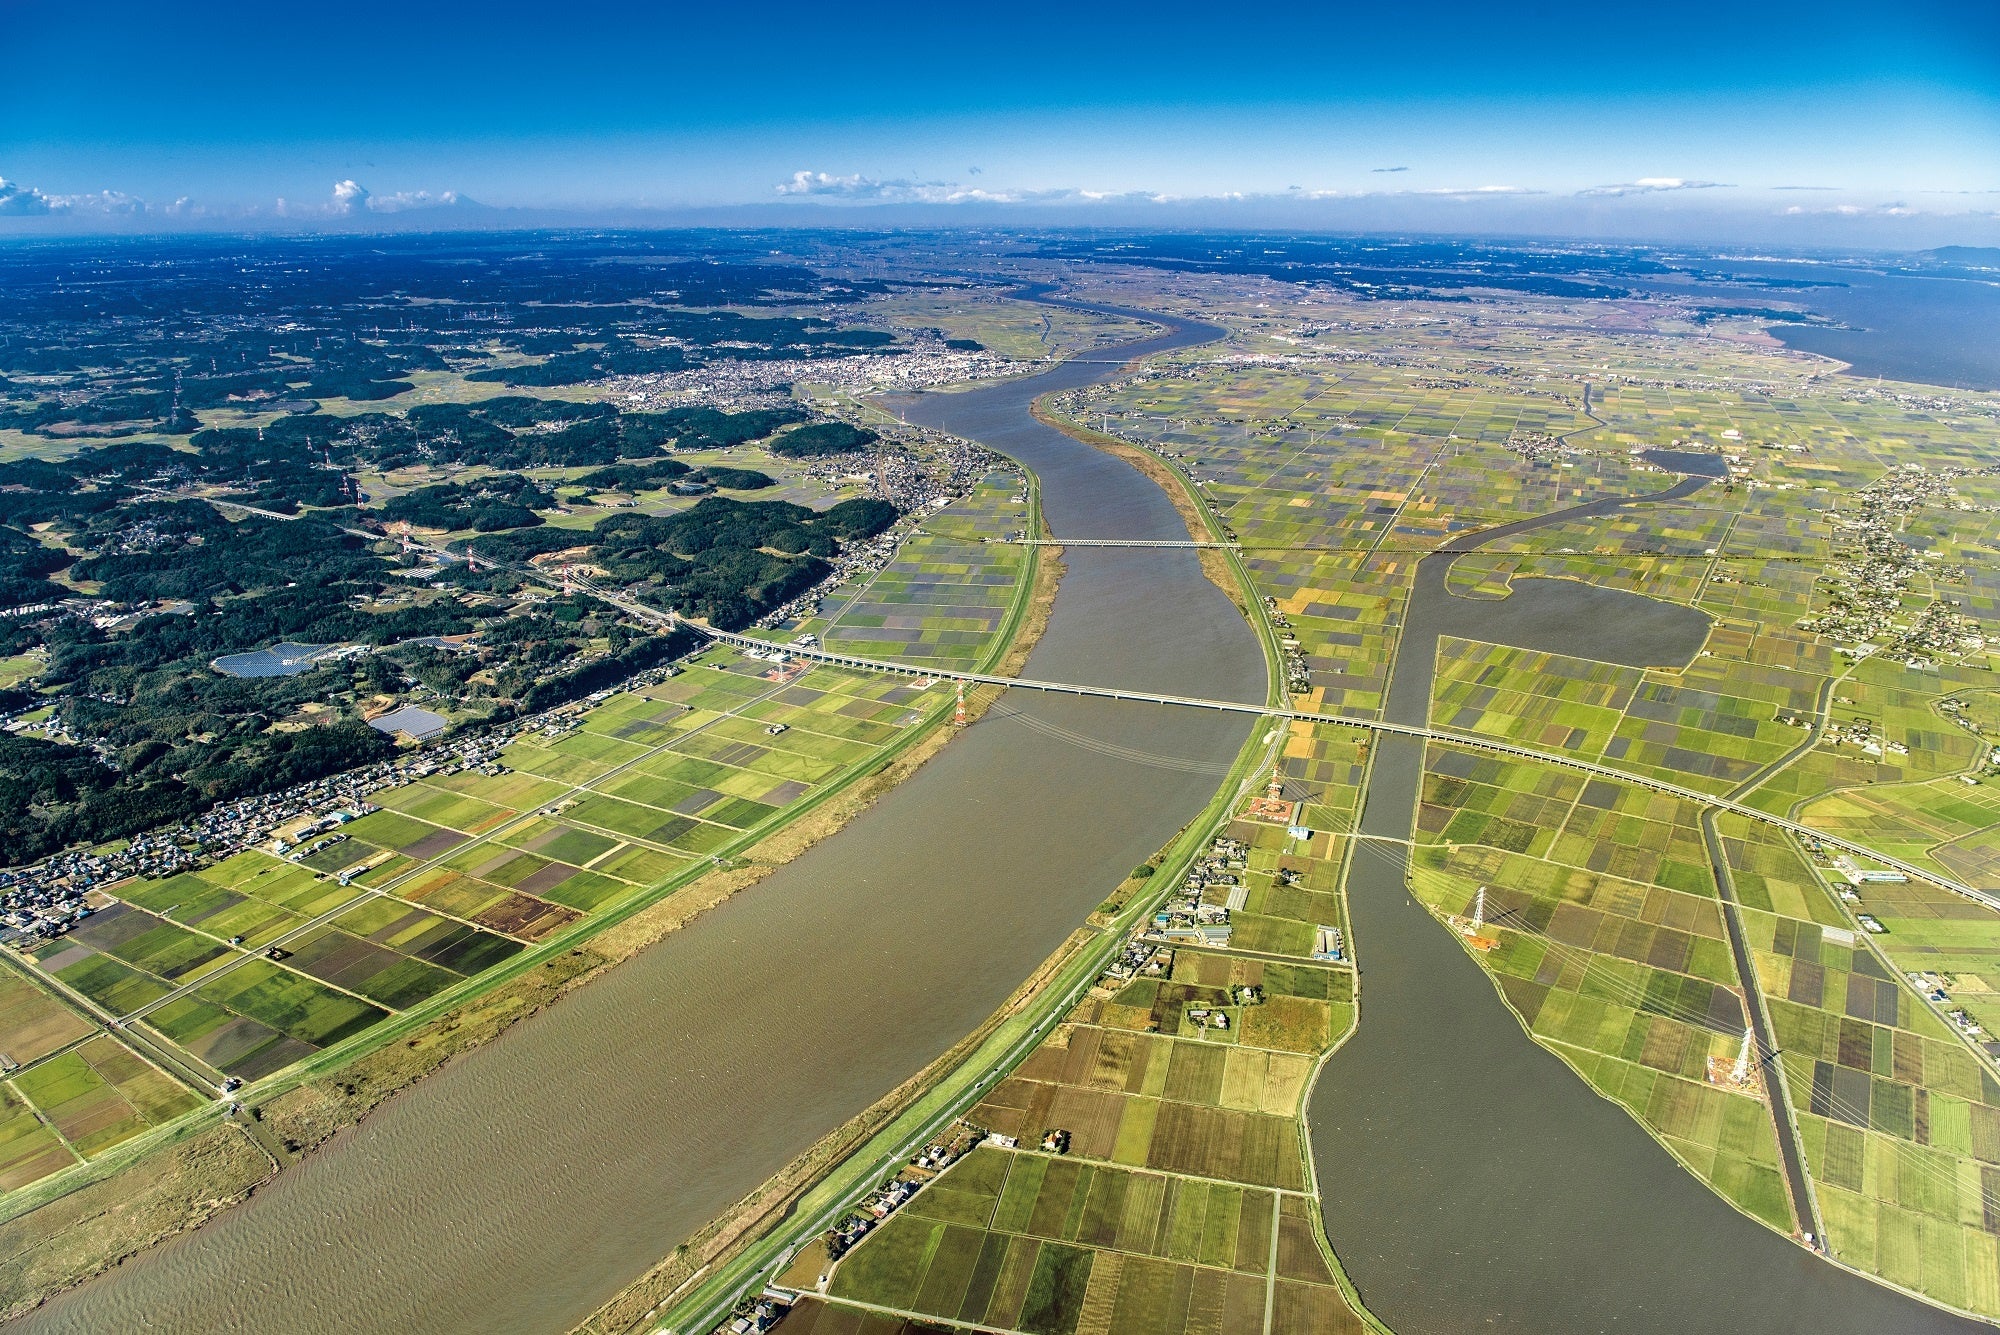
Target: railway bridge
{"type": "Point", "coordinates": [1443, 736]}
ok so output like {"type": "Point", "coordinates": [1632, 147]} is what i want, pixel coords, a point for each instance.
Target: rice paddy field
{"type": "Point", "coordinates": [1185, 1202]}
{"type": "Point", "coordinates": [949, 590]}
{"type": "Point", "coordinates": [1611, 948]}
{"type": "Point", "coordinates": [1710, 727]}
{"type": "Point", "coordinates": [70, 1090]}
{"type": "Point", "coordinates": [1019, 330]}
{"type": "Point", "coordinates": [246, 967]}
{"type": "Point", "coordinates": [1338, 441]}
{"type": "Point", "coordinates": [1898, 1117]}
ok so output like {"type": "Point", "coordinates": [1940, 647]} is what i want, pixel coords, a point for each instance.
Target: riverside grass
{"type": "Point", "coordinates": [192, 1159]}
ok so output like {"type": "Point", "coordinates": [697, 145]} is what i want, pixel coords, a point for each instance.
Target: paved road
{"type": "Point", "coordinates": [1465, 739]}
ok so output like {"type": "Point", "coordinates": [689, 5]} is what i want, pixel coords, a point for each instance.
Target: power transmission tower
{"type": "Point", "coordinates": [1740, 1073]}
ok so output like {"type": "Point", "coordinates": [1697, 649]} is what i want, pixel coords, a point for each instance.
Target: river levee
{"type": "Point", "coordinates": [522, 1185]}
{"type": "Point", "coordinates": [1470, 1179]}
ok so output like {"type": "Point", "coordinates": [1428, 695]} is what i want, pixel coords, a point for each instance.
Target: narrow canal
{"type": "Point", "coordinates": [1471, 1180]}
{"type": "Point", "coordinates": [521, 1186]}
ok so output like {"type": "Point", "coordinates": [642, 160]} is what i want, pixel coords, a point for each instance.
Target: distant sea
{"type": "Point", "coordinates": [1936, 331]}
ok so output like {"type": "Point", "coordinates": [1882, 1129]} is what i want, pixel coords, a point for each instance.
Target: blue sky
{"type": "Point", "coordinates": [1526, 111]}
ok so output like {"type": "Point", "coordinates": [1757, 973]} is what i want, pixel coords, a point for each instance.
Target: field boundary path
{"type": "Point", "coordinates": [1441, 735]}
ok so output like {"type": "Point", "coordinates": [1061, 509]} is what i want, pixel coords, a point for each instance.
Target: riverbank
{"type": "Point", "coordinates": [719, 1242]}
{"type": "Point", "coordinates": [724, 1239]}
{"type": "Point", "coordinates": [1213, 563]}
{"type": "Point", "coordinates": [520, 1188]}
{"type": "Point", "coordinates": [82, 1227]}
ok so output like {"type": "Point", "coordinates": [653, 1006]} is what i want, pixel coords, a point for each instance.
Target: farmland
{"type": "Point", "coordinates": [1336, 470]}
{"type": "Point", "coordinates": [1839, 675]}
{"type": "Point", "coordinates": [1896, 1113]}
{"type": "Point", "coordinates": [244, 968]}
{"type": "Point", "coordinates": [1611, 949]}
{"type": "Point", "coordinates": [1185, 1200]}
{"type": "Point", "coordinates": [1018, 330]}
{"type": "Point", "coordinates": [951, 587]}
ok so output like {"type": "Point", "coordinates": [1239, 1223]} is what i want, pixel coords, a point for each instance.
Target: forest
{"type": "Point", "coordinates": [200, 368]}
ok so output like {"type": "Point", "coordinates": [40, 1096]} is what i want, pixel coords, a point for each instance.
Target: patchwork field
{"type": "Point", "coordinates": [1020, 330]}
{"type": "Point", "coordinates": [1185, 1200]}
{"type": "Point", "coordinates": [1898, 1117]}
{"type": "Point", "coordinates": [259, 961]}
{"type": "Point", "coordinates": [1611, 948]}
{"type": "Point", "coordinates": [947, 593]}
{"type": "Point", "coordinates": [1340, 440]}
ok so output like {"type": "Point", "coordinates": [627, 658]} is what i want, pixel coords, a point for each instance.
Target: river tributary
{"type": "Point", "coordinates": [1470, 1180]}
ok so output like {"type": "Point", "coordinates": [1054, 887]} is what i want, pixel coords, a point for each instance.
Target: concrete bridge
{"type": "Point", "coordinates": [1107, 542]}
{"type": "Point", "coordinates": [1470, 741]}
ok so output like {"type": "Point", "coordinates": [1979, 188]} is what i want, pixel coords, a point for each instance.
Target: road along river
{"type": "Point", "coordinates": [521, 1186]}
{"type": "Point", "coordinates": [1471, 1180]}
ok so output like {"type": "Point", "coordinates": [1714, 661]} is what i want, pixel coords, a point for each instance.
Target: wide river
{"type": "Point", "coordinates": [521, 1186]}
{"type": "Point", "coordinates": [1473, 1182]}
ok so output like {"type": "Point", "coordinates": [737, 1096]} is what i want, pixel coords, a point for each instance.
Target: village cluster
{"type": "Point", "coordinates": [923, 362]}
{"type": "Point", "coordinates": [41, 901]}
{"type": "Point", "coordinates": [1874, 572]}
{"type": "Point", "coordinates": [1197, 913]}
{"type": "Point", "coordinates": [954, 1144]}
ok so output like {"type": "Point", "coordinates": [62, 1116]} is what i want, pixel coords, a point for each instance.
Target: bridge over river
{"type": "Point", "coordinates": [1446, 736]}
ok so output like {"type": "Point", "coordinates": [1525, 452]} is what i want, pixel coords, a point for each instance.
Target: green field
{"type": "Point", "coordinates": [604, 808]}
{"type": "Point", "coordinates": [1339, 458]}
{"type": "Point", "coordinates": [1184, 1200]}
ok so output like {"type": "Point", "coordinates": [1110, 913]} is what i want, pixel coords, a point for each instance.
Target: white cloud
{"type": "Point", "coordinates": [1652, 185]}
{"type": "Point", "coordinates": [822, 185]}
{"type": "Point", "coordinates": [102, 202]}
{"type": "Point", "coordinates": [1473, 192]}
{"type": "Point", "coordinates": [22, 201]}
{"type": "Point", "coordinates": [858, 189]}
{"type": "Point", "coordinates": [403, 201]}
{"type": "Point", "coordinates": [349, 197]}
{"type": "Point", "coordinates": [1898, 209]}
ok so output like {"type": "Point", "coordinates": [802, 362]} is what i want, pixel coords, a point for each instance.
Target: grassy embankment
{"type": "Point", "coordinates": [78, 1222]}
{"type": "Point", "coordinates": [1013, 1035]}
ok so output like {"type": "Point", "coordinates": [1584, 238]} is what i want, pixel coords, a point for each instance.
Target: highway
{"type": "Point", "coordinates": [1468, 740]}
